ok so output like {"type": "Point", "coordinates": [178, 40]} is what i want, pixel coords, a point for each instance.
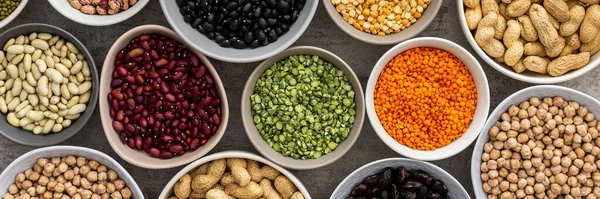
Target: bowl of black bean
{"type": "Point", "coordinates": [239, 31]}
{"type": "Point", "coordinates": [400, 178]}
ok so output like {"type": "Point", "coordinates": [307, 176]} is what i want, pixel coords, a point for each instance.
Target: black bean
{"type": "Point", "coordinates": [249, 37]}
{"type": "Point", "coordinates": [439, 187]}
{"type": "Point", "coordinates": [359, 190]}
{"type": "Point", "coordinates": [373, 192]}
{"type": "Point", "coordinates": [422, 177]}
{"type": "Point", "coordinates": [219, 38]}
{"type": "Point", "coordinates": [184, 10]}
{"type": "Point", "coordinates": [187, 18]}
{"type": "Point", "coordinates": [180, 2]}
{"type": "Point", "coordinates": [433, 195]}
{"type": "Point", "coordinates": [279, 31]}
{"type": "Point", "coordinates": [225, 43]}
{"type": "Point", "coordinates": [272, 3]}
{"type": "Point", "coordinates": [386, 178]}
{"type": "Point", "coordinates": [247, 8]}
{"type": "Point", "coordinates": [285, 18]}
{"type": "Point", "coordinates": [265, 42]}
{"type": "Point", "coordinates": [262, 23]}
{"type": "Point", "coordinates": [283, 6]}
{"type": "Point", "coordinates": [422, 193]}
{"type": "Point", "coordinates": [201, 30]}
{"type": "Point", "coordinates": [257, 12]}
{"type": "Point", "coordinates": [197, 22]}
{"type": "Point", "coordinates": [234, 24]}
{"type": "Point", "coordinates": [203, 4]}
{"type": "Point", "coordinates": [272, 21]}
{"type": "Point", "coordinates": [401, 175]}
{"type": "Point", "coordinates": [272, 36]}
{"type": "Point", "coordinates": [239, 44]}
{"type": "Point", "coordinates": [234, 14]}
{"type": "Point", "coordinates": [210, 18]}
{"type": "Point", "coordinates": [255, 44]}
{"type": "Point", "coordinates": [408, 194]}
{"type": "Point", "coordinates": [191, 5]}
{"type": "Point", "coordinates": [231, 5]}
{"type": "Point", "coordinates": [394, 192]}
{"type": "Point", "coordinates": [210, 35]}
{"type": "Point", "coordinates": [372, 180]}
{"type": "Point", "coordinates": [208, 27]}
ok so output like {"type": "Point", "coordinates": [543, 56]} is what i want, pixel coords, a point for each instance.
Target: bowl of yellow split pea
{"type": "Point", "coordinates": [382, 22]}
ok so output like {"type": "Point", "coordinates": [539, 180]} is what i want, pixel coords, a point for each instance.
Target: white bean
{"type": "Point", "coordinates": [23, 95]}
{"type": "Point", "coordinates": [28, 49]}
{"type": "Point", "coordinates": [85, 87]}
{"type": "Point", "coordinates": [27, 87]}
{"type": "Point", "coordinates": [16, 49]}
{"type": "Point", "coordinates": [63, 51]}
{"type": "Point", "coordinates": [60, 43]}
{"type": "Point", "coordinates": [35, 71]}
{"type": "Point", "coordinates": [51, 115]}
{"type": "Point", "coordinates": [72, 117]}
{"type": "Point", "coordinates": [62, 69]}
{"type": "Point", "coordinates": [55, 87]}
{"type": "Point", "coordinates": [66, 62]}
{"type": "Point", "coordinates": [3, 75]}
{"type": "Point", "coordinates": [35, 115]}
{"type": "Point", "coordinates": [66, 123]}
{"type": "Point", "coordinates": [17, 87]}
{"type": "Point", "coordinates": [31, 80]}
{"type": "Point", "coordinates": [9, 83]}
{"type": "Point", "coordinates": [12, 105]}
{"type": "Point", "coordinates": [12, 119]}
{"type": "Point", "coordinates": [48, 126]}
{"type": "Point", "coordinates": [74, 101]}
{"type": "Point", "coordinates": [37, 54]}
{"type": "Point", "coordinates": [72, 48]}
{"type": "Point", "coordinates": [79, 108]}
{"type": "Point", "coordinates": [54, 75]}
{"type": "Point", "coordinates": [33, 99]}
{"type": "Point", "coordinates": [20, 40]}
{"type": "Point", "coordinates": [76, 67]}
{"type": "Point", "coordinates": [64, 90]}
{"type": "Point", "coordinates": [12, 70]}
{"type": "Point", "coordinates": [73, 88]}
{"type": "Point", "coordinates": [29, 127]}
{"type": "Point", "coordinates": [17, 59]}
{"type": "Point", "coordinates": [22, 105]}
{"type": "Point", "coordinates": [53, 40]}
{"type": "Point", "coordinates": [61, 106]}
{"type": "Point", "coordinates": [3, 105]}
{"type": "Point", "coordinates": [44, 36]}
{"type": "Point", "coordinates": [22, 113]}
{"type": "Point", "coordinates": [27, 63]}
{"type": "Point", "coordinates": [42, 87]}
{"type": "Point", "coordinates": [53, 108]}
{"type": "Point", "coordinates": [41, 64]}
{"type": "Point", "coordinates": [54, 100]}
{"type": "Point", "coordinates": [33, 36]}
{"type": "Point", "coordinates": [57, 128]}
{"type": "Point", "coordinates": [85, 98]}
{"type": "Point", "coordinates": [9, 43]}
{"type": "Point", "coordinates": [40, 44]}
{"type": "Point", "coordinates": [44, 100]}
{"type": "Point", "coordinates": [22, 73]}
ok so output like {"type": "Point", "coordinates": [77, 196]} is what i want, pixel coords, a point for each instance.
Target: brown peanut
{"type": "Point", "coordinates": [484, 36]}
{"type": "Point", "coordinates": [572, 45]}
{"type": "Point", "coordinates": [536, 64]}
{"type": "Point", "coordinates": [571, 26]}
{"type": "Point", "coordinates": [534, 48]}
{"type": "Point", "coordinates": [489, 6]}
{"type": "Point", "coordinates": [548, 35]}
{"type": "Point", "coordinates": [471, 3]}
{"type": "Point", "coordinates": [500, 27]}
{"type": "Point", "coordinates": [590, 25]}
{"type": "Point", "coordinates": [563, 64]}
{"type": "Point", "coordinates": [528, 32]}
{"type": "Point", "coordinates": [592, 47]}
{"type": "Point", "coordinates": [590, 1]}
{"type": "Point", "coordinates": [514, 50]}
{"type": "Point", "coordinates": [557, 9]}
{"type": "Point", "coordinates": [473, 16]}
{"type": "Point", "coordinates": [517, 8]}
{"type": "Point", "coordinates": [519, 67]}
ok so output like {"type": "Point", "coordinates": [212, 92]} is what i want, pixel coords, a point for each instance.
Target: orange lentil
{"type": "Point", "coordinates": [425, 98]}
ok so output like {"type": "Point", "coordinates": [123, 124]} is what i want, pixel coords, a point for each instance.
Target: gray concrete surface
{"type": "Point", "coordinates": [322, 33]}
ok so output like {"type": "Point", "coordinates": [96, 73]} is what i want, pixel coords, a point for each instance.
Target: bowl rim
{"type": "Point", "coordinates": [232, 154]}
{"type": "Point", "coordinates": [208, 52]}
{"type": "Point", "coordinates": [109, 131]}
{"type": "Point", "coordinates": [545, 79]}
{"type": "Point", "coordinates": [368, 38]}
{"type": "Point", "coordinates": [549, 90]}
{"type": "Point", "coordinates": [358, 121]}
{"type": "Point", "coordinates": [81, 17]}
{"type": "Point", "coordinates": [14, 14]}
{"type": "Point", "coordinates": [418, 154]}
{"type": "Point", "coordinates": [124, 174]}
{"type": "Point", "coordinates": [90, 106]}
{"type": "Point", "coordinates": [344, 182]}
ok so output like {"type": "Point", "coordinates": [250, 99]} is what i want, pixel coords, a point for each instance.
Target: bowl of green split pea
{"type": "Point", "coordinates": [9, 10]}
{"type": "Point", "coordinates": [303, 108]}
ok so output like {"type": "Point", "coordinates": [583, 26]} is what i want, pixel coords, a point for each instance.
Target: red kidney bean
{"type": "Point", "coordinates": [163, 100]}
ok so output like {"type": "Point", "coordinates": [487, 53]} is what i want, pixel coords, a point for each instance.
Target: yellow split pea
{"type": "Point", "coordinates": [381, 17]}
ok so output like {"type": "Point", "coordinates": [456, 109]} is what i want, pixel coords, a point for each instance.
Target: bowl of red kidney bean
{"type": "Point", "coordinates": [239, 31]}
{"type": "Point", "coordinates": [162, 105]}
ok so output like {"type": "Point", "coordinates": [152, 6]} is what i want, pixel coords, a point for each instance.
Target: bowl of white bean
{"type": "Point", "coordinates": [47, 85]}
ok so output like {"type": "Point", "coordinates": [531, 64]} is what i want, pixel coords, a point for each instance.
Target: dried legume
{"type": "Point", "coordinates": [400, 183]}
{"type": "Point", "coordinates": [381, 17]}
{"type": "Point", "coordinates": [425, 98]}
{"type": "Point", "coordinates": [102, 7]}
{"type": "Point", "coordinates": [241, 23]}
{"type": "Point", "coordinates": [7, 7]}
{"type": "Point", "coordinates": [32, 74]}
{"type": "Point", "coordinates": [543, 148]}
{"type": "Point", "coordinates": [303, 106]}
{"type": "Point", "coordinates": [67, 177]}
{"type": "Point", "coordinates": [163, 100]}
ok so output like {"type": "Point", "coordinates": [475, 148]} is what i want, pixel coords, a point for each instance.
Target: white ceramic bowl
{"type": "Point", "coordinates": [168, 190]}
{"type": "Point", "coordinates": [28, 159]}
{"type": "Point", "coordinates": [568, 94]}
{"type": "Point", "coordinates": [414, 29]}
{"type": "Point", "coordinates": [526, 76]}
{"type": "Point", "coordinates": [14, 14]}
{"type": "Point", "coordinates": [208, 47]}
{"type": "Point", "coordinates": [141, 158]}
{"type": "Point", "coordinates": [481, 110]}
{"type": "Point", "coordinates": [65, 8]}
{"type": "Point", "coordinates": [455, 189]}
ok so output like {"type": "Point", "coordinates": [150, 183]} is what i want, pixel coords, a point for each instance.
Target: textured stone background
{"type": "Point", "coordinates": [322, 33]}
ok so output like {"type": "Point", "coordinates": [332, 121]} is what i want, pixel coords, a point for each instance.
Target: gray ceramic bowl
{"type": "Point", "coordinates": [414, 29]}
{"type": "Point", "coordinates": [455, 189]}
{"type": "Point", "coordinates": [277, 157]}
{"type": "Point", "coordinates": [208, 47]}
{"type": "Point", "coordinates": [25, 137]}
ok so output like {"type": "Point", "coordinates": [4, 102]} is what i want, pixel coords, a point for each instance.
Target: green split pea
{"type": "Point", "coordinates": [303, 106]}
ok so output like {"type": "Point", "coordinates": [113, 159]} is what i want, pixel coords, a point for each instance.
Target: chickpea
{"type": "Point", "coordinates": [487, 148]}
{"type": "Point", "coordinates": [116, 195]}
{"type": "Point", "coordinates": [520, 193]}
{"type": "Point", "coordinates": [119, 184]}
{"type": "Point", "coordinates": [501, 136]}
{"type": "Point", "coordinates": [34, 176]}
{"type": "Point", "coordinates": [484, 177]}
{"type": "Point", "coordinates": [86, 194]}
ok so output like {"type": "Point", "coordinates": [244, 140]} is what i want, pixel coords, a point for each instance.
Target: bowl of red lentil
{"type": "Point", "coordinates": [427, 98]}
{"type": "Point", "coordinates": [382, 22]}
